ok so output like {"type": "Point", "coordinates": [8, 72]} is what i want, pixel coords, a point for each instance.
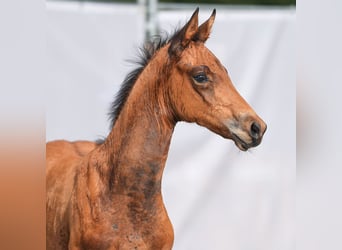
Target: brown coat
{"type": "Point", "coordinates": [108, 196]}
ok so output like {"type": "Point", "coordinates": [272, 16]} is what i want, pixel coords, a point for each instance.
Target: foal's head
{"type": "Point", "coordinates": [202, 92]}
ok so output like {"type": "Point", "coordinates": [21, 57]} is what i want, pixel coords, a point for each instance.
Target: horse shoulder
{"type": "Point", "coordinates": [63, 159]}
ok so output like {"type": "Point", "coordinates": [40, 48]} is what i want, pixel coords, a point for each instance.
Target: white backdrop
{"type": "Point", "coordinates": [217, 197]}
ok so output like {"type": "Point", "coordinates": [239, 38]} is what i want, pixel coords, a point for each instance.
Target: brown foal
{"type": "Point", "coordinates": [108, 195]}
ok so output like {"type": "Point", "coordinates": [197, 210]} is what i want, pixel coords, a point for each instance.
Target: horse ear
{"type": "Point", "coordinates": [203, 31]}
{"type": "Point", "coordinates": [185, 35]}
{"type": "Point", "coordinates": [190, 28]}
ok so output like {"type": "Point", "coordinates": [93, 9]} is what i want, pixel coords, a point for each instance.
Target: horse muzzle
{"type": "Point", "coordinates": [247, 134]}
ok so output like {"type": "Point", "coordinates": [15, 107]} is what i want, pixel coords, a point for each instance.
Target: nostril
{"type": "Point", "coordinates": [255, 130]}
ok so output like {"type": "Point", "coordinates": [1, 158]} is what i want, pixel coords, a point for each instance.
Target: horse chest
{"type": "Point", "coordinates": [123, 229]}
{"type": "Point", "coordinates": [127, 238]}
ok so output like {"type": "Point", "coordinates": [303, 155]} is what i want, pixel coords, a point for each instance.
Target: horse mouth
{"type": "Point", "coordinates": [242, 145]}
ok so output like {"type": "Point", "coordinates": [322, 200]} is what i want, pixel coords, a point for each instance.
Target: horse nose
{"type": "Point", "coordinates": [256, 132]}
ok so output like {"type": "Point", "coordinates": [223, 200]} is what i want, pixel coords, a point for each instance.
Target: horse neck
{"type": "Point", "coordinates": [138, 144]}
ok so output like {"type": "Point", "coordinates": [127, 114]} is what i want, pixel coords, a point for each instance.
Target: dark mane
{"type": "Point", "coordinates": [146, 53]}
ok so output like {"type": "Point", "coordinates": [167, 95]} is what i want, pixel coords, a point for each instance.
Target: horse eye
{"type": "Point", "coordinates": [201, 77]}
